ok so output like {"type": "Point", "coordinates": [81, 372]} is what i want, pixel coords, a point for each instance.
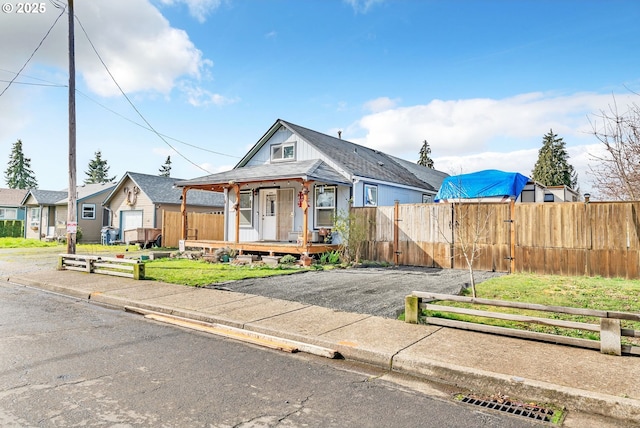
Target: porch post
{"type": "Point", "coordinates": [183, 211]}
{"type": "Point", "coordinates": [236, 190]}
{"type": "Point", "coordinates": [305, 217]}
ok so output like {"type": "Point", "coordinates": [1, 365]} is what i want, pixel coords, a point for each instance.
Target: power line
{"type": "Point", "coordinates": [59, 85]}
{"type": "Point", "coordinates": [131, 103]}
{"type": "Point", "coordinates": [55, 85]}
{"type": "Point", "coordinates": [33, 53]}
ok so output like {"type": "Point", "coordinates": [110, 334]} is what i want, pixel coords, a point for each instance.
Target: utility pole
{"type": "Point", "coordinates": [72, 217]}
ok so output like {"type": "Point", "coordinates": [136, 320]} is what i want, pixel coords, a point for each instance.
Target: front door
{"type": "Point", "coordinates": [269, 210]}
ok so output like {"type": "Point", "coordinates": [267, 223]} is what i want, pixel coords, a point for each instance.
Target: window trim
{"type": "Point", "coordinates": [282, 147]}
{"type": "Point", "coordinates": [366, 203]}
{"type": "Point", "coordinates": [248, 224]}
{"type": "Point", "coordinates": [93, 211]}
{"type": "Point", "coordinates": [316, 208]}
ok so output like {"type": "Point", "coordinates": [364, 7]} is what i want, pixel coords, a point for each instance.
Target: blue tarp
{"type": "Point", "coordinates": [482, 184]}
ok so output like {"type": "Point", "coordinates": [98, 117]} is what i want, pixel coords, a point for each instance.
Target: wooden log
{"type": "Point", "coordinates": [513, 317]}
{"type": "Point", "coordinates": [523, 334]}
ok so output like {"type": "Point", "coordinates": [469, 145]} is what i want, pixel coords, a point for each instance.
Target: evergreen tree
{"type": "Point", "coordinates": [98, 171]}
{"type": "Point", "coordinates": [552, 167]}
{"type": "Point", "coordinates": [425, 159]}
{"type": "Point", "coordinates": [19, 174]}
{"type": "Point", "coordinates": [165, 170]}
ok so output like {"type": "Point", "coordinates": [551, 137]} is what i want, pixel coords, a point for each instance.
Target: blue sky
{"type": "Point", "coordinates": [482, 81]}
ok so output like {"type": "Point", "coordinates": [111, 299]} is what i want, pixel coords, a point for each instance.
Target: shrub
{"type": "Point", "coordinates": [287, 259]}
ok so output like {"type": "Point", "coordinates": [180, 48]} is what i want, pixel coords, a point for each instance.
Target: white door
{"type": "Point", "coordinates": [269, 210]}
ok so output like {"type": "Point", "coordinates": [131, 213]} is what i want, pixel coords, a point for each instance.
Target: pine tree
{"type": "Point", "coordinates": [98, 171]}
{"type": "Point", "coordinates": [552, 167]}
{"type": "Point", "coordinates": [425, 151]}
{"type": "Point", "coordinates": [165, 170]}
{"type": "Point", "coordinates": [19, 174]}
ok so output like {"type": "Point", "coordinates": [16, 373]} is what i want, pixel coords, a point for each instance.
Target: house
{"type": "Point", "coordinates": [138, 200]}
{"type": "Point", "coordinates": [47, 212]}
{"type": "Point", "coordinates": [11, 204]}
{"type": "Point", "coordinates": [295, 179]}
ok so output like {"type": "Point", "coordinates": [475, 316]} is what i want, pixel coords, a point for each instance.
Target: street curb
{"type": "Point", "coordinates": [542, 392]}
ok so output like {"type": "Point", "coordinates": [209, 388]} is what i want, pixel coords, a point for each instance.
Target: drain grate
{"type": "Point", "coordinates": [531, 411]}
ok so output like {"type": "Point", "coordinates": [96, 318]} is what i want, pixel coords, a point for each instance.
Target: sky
{"type": "Point", "coordinates": [201, 81]}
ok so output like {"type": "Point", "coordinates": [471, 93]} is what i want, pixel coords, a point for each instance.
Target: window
{"type": "Point", "coordinates": [370, 195]}
{"type": "Point", "coordinates": [246, 208]}
{"type": "Point", "coordinates": [88, 211]}
{"type": "Point", "coordinates": [281, 152]}
{"type": "Point", "coordinates": [8, 213]}
{"type": "Point", "coordinates": [35, 217]}
{"type": "Point", "coordinates": [426, 199]}
{"type": "Point", "coordinates": [325, 208]}
{"type": "Point", "coordinates": [548, 197]}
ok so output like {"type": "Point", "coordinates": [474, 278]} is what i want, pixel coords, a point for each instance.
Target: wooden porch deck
{"type": "Point", "coordinates": [271, 248]}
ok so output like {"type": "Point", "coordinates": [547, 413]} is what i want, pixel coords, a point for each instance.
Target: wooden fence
{"type": "Point", "coordinates": [127, 268]}
{"type": "Point", "coordinates": [592, 239]}
{"type": "Point", "coordinates": [200, 226]}
{"type": "Point", "coordinates": [609, 327]}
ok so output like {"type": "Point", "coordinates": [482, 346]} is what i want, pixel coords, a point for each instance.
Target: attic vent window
{"type": "Point", "coordinates": [283, 152]}
{"type": "Point", "coordinates": [380, 163]}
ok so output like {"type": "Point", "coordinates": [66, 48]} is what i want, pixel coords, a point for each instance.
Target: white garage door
{"type": "Point", "coordinates": [131, 220]}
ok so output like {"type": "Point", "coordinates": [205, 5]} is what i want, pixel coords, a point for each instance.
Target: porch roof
{"type": "Point", "coordinates": [309, 170]}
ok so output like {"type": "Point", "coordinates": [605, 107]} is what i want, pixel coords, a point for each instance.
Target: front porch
{"type": "Point", "coordinates": [270, 248]}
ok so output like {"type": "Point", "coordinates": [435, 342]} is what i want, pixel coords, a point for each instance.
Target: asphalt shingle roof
{"type": "Point", "coordinates": [161, 190]}
{"type": "Point", "coordinates": [12, 197]}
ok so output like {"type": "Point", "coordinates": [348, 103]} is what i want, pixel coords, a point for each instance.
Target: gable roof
{"type": "Point", "coordinates": [357, 160]}
{"type": "Point", "coordinates": [12, 197]}
{"type": "Point", "coordinates": [161, 190]}
{"type": "Point", "coordinates": [46, 197]}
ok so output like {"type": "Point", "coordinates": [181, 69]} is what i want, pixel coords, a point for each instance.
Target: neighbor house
{"type": "Point", "coordinates": [295, 179]}
{"type": "Point", "coordinates": [11, 207]}
{"type": "Point", "coordinates": [138, 201]}
{"type": "Point", "coordinates": [47, 212]}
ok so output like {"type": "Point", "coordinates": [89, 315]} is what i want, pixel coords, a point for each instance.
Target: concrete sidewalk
{"type": "Point", "coordinates": [578, 379]}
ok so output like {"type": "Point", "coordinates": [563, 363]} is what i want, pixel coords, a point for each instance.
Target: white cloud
{"type": "Point", "coordinates": [199, 9]}
{"type": "Point", "coordinates": [138, 45]}
{"type": "Point", "coordinates": [200, 97]}
{"type": "Point", "coordinates": [362, 6]}
{"type": "Point", "coordinates": [380, 104]}
{"type": "Point", "coordinates": [475, 134]}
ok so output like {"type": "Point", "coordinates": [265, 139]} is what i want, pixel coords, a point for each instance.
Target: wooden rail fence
{"type": "Point", "coordinates": [609, 327]}
{"type": "Point", "coordinates": [127, 268]}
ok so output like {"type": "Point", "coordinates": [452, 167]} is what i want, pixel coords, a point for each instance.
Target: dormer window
{"type": "Point", "coordinates": [283, 152]}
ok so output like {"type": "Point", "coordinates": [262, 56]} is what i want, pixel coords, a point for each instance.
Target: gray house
{"type": "Point", "coordinates": [296, 179]}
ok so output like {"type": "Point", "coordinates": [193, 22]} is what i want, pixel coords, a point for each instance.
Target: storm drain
{"type": "Point", "coordinates": [515, 408]}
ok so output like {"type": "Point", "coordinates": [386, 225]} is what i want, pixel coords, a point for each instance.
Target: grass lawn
{"type": "Point", "coordinates": [613, 294]}
{"type": "Point", "coordinates": [199, 273]}
{"type": "Point", "coordinates": [25, 243]}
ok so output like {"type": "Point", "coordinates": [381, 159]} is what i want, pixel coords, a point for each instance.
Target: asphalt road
{"type": "Point", "coordinates": [67, 363]}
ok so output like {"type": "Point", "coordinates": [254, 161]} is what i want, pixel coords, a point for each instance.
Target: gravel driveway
{"type": "Point", "coordinates": [374, 291]}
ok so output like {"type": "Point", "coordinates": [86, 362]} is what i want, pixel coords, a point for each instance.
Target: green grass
{"type": "Point", "coordinates": [200, 273]}
{"type": "Point", "coordinates": [613, 294]}
{"type": "Point", "coordinates": [25, 243]}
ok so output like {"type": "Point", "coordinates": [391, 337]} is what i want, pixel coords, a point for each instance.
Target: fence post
{"type": "Point", "coordinates": [60, 263]}
{"type": "Point", "coordinates": [138, 271]}
{"type": "Point", "coordinates": [89, 264]}
{"type": "Point", "coordinates": [411, 308]}
{"type": "Point", "coordinates": [610, 336]}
